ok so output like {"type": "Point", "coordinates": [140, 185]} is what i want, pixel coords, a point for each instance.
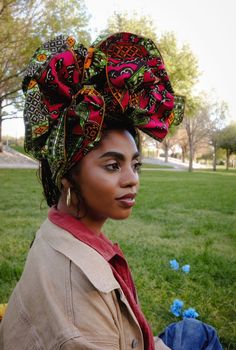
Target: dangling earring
{"type": "Point", "coordinates": [68, 198]}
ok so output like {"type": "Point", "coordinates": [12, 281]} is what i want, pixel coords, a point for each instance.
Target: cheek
{"type": "Point", "coordinates": [98, 188]}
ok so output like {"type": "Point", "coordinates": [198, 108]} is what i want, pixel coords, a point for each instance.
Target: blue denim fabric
{"type": "Point", "coordinates": [190, 334]}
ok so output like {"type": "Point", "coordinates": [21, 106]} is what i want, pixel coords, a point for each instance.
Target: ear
{"type": "Point", "coordinates": [65, 183]}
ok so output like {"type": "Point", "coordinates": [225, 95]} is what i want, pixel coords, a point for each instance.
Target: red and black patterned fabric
{"type": "Point", "coordinates": [72, 93]}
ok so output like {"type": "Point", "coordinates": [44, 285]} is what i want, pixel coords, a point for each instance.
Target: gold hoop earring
{"type": "Point", "coordinates": [68, 198]}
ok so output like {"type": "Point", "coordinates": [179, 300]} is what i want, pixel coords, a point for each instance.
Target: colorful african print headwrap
{"type": "Point", "coordinates": [71, 92]}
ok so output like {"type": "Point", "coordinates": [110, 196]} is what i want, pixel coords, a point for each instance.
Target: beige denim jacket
{"type": "Point", "coordinates": [68, 299]}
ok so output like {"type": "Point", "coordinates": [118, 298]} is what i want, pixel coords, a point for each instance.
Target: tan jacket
{"type": "Point", "coordinates": [68, 299]}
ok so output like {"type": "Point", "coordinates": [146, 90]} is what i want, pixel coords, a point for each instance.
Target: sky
{"type": "Point", "coordinates": [208, 26]}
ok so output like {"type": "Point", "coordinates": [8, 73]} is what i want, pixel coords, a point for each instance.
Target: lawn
{"type": "Point", "coordinates": [190, 217]}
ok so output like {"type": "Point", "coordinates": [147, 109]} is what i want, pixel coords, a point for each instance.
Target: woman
{"type": "Point", "coordinates": [82, 112]}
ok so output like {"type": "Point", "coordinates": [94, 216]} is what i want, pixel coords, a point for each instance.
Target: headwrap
{"type": "Point", "coordinates": [72, 92]}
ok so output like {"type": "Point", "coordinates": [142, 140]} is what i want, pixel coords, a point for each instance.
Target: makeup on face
{"type": "Point", "coordinates": [109, 179]}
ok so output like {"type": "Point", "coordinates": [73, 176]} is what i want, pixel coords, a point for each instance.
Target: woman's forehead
{"type": "Point", "coordinates": [117, 138]}
{"type": "Point", "coordinates": [120, 141]}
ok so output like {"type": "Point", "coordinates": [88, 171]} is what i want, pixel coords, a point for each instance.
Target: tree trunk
{"type": "Point", "coordinates": [214, 157]}
{"type": "Point", "coordinates": [166, 149]}
{"type": "Point", "coordinates": [227, 158]}
{"type": "Point", "coordinates": [183, 153]}
{"type": "Point", "coordinates": [191, 154]}
{"type": "Point", "coordinates": [190, 164]}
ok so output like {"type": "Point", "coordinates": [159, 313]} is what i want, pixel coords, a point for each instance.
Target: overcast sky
{"type": "Point", "coordinates": [208, 26]}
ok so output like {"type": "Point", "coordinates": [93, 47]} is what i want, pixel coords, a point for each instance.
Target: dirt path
{"type": "Point", "coordinates": [10, 158]}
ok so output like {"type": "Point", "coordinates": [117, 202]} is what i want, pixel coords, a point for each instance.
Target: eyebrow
{"type": "Point", "coordinates": [118, 155]}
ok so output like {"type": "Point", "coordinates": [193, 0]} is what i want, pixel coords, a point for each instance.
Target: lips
{"type": "Point", "coordinates": [127, 201]}
{"type": "Point", "coordinates": [128, 195]}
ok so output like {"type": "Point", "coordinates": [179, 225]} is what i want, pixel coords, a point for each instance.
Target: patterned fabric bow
{"type": "Point", "coordinates": [71, 93]}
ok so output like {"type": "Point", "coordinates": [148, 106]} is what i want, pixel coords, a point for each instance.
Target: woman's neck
{"type": "Point", "coordinates": [95, 224]}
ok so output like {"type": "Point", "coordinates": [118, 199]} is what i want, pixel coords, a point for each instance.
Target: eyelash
{"type": "Point", "coordinates": [138, 166]}
{"type": "Point", "coordinates": [115, 167]}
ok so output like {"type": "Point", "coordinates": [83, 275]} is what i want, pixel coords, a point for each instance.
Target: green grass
{"type": "Point", "coordinates": [190, 217]}
{"type": "Point", "coordinates": [19, 148]}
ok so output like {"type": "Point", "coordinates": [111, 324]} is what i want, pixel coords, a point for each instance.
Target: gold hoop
{"type": "Point", "coordinates": [68, 198]}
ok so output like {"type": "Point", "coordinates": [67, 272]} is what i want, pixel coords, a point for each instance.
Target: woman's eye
{"type": "Point", "coordinates": [137, 166]}
{"type": "Point", "coordinates": [113, 167]}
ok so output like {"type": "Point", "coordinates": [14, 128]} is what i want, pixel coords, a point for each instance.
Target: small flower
{"type": "Point", "coordinates": [174, 264]}
{"type": "Point", "coordinates": [186, 268]}
{"type": "Point", "coordinates": [190, 313]}
{"type": "Point", "coordinates": [176, 307]}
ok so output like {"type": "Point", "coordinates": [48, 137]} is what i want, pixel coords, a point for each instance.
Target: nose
{"type": "Point", "coordinates": [130, 177]}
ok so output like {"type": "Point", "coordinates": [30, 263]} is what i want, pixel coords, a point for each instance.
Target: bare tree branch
{"type": "Point", "coordinates": [4, 96]}
{"type": "Point", "coordinates": [12, 76]}
{"type": "Point", "coordinates": [9, 118]}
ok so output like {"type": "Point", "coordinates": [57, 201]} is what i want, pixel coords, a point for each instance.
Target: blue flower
{"type": "Point", "coordinates": [186, 268]}
{"type": "Point", "coordinates": [174, 264]}
{"type": "Point", "coordinates": [176, 307]}
{"type": "Point", "coordinates": [190, 313]}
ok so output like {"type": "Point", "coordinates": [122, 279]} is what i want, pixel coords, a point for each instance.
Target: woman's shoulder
{"type": "Point", "coordinates": [55, 250]}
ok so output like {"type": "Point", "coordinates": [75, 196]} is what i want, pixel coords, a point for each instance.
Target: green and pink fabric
{"type": "Point", "coordinates": [72, 92]}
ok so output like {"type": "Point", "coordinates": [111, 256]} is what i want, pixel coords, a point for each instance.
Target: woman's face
{"type": "Point", "coordinates": [108, 178]}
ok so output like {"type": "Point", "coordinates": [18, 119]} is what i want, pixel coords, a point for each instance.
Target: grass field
{"type": "Point", "coordinates": [190, 217]}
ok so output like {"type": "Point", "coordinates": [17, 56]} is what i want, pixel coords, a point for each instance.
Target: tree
{"type": "Point", "coordinates": [227, 141]}
{"type": "Point", "coordinates": [218, 116]}
{"type": "Point", "coordinates": [168, 142]}
{"type": "Point", "coordinates": [181, 64]}
{"type": "Point", "coordinates": [15, 23]}
{"type": "Point", "coordinates": [197, 125]}
{"type": "Point", "coordinates": [182, 140]}
{"type": "Point", "coordinates": [24, 24]}
{"type": "Point", "coordinates": [67, 17]}
{"type": "Point", "coordinates": [123, 22]}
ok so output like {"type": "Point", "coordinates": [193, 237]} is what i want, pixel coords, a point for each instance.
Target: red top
{"type": "Point", "coordinates": [114, 256]}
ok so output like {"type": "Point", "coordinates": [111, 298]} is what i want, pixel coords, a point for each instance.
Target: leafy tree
{"type": "Point", "coordinates": [123, 22]}
{"type": "Point", "coordinates": [15, 23]}
{"type": "Point", "coordinates": [68, 17]}
{"type": "Point", "coordinates": [24, 24]}
{"type": "Point", "coordinates": [227, 141]}
{"type": "Point", "coordinates": [181, 64]}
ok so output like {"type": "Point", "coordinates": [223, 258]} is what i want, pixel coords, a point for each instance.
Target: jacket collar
{"type": "Point", "coordinates": [82, 255]}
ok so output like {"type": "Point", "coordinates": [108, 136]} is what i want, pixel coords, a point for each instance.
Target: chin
{"type": "Point", "coordinates": [121, 216]}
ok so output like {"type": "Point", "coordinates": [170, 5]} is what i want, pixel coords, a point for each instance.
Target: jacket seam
{"type": "Point", "coordinates": [24, 317]}
{"type": "Point", "coordinates": [68, 291]}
